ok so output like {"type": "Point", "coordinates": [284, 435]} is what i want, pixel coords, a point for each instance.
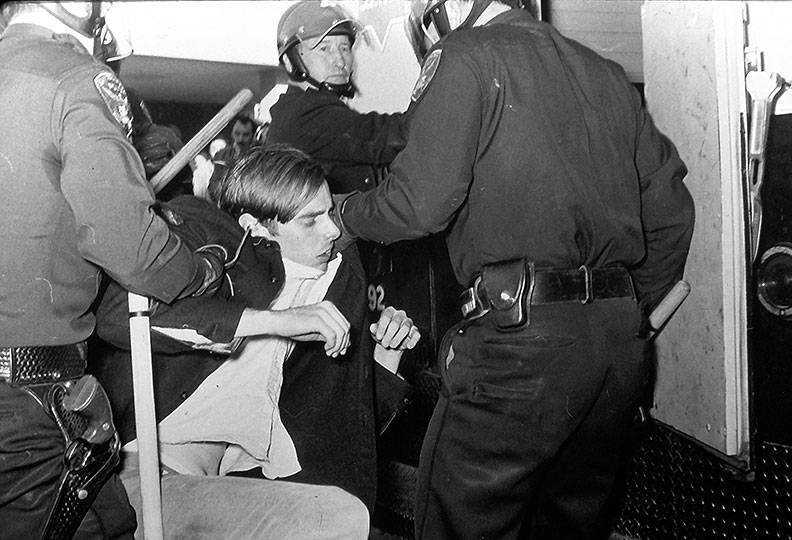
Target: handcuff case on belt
{"type": "Point", "coordinates": [509, 286]}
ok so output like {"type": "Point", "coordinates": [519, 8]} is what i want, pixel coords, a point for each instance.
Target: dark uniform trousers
{"type": "Point", "coordinates": [31, 454]}
{"type": "Point", "coordinates": [526, 437]}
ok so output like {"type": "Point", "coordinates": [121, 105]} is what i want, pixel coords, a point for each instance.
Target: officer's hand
{"type": "Point", "coordinates": [395, 330]}
{"type": "Point", "coordinates": [345, 240]}
{"type": "Point", "coordinates": [314, 322]}
{"type": "Point", "coordinates": [211, 259]}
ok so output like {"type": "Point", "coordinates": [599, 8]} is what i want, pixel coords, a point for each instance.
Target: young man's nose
{"type": "Point", "coordinates": [333, 232]}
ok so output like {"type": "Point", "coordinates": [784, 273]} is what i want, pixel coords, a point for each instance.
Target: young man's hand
{"type": "Point", "coordinates": [314, 322]}
{"type": "Point", "coordinates": [393, 334]}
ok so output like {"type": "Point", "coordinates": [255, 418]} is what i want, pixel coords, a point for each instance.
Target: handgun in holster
{"type": "Point", "coordinates": [82, 411]}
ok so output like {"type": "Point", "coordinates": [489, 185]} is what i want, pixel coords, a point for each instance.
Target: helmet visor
{"type": "Point", "coordinates": [345, 27]}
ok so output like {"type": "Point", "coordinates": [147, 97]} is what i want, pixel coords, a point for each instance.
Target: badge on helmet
{"type": "Point", "coordinates": [312, 19]}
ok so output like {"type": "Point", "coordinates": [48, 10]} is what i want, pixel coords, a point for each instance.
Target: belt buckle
{"type": "Point", "coordinates": [587, 282]}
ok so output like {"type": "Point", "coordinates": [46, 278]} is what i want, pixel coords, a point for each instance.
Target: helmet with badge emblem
{"type": "Point", "coordinates": [307, 20]}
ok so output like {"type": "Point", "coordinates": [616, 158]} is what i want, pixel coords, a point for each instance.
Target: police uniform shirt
{"type": "Point", "coordinates": [530, 145]}
{"type": "Point", "coordinates": [74, 196]}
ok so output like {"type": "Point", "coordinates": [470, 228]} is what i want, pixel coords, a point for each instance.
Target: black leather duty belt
{"type": "Point", "coordinates": [499, 287]}
{"type": "Point", "coordinates": [41, 364]}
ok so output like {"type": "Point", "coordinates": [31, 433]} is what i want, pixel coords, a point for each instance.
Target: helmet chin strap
{"type": "Point", "coordinates": [346, 89]}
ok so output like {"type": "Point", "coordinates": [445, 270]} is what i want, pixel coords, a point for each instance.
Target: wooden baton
{"type": "Point", "coordinates": [145, 419]}
{"type": "Point", "coordinates": [140, 336]}
{"type": "Point", "coordinates": [201, 139]}
{"type": "Point", "coordinates": [668, 305]}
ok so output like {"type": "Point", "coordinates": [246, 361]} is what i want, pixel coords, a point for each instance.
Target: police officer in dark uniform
{"type": "Point", "coordinates": [74, 202]}
{"type": "Point", "coordinates": [315, 47]}
{"type": "Point", "coordinates": [568, 221]}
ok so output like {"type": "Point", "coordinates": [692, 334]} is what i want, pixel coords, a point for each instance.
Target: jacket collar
{"type": "Point", "coordinates": [28, 30]}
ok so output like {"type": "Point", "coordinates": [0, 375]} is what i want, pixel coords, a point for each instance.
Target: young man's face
{"type": "Point", "coordinates": [308, 238]}
{"type": "Point", "coordinates": [242, 135]}
{"type": "Point", "coordinates": [330, 61]}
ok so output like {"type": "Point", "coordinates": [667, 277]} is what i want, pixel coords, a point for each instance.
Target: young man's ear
{"type": "Point", "coordinates": [257, 228]}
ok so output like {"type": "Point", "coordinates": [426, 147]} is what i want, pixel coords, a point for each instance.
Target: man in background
{"type": "Point", "coordinates": [242, 129]}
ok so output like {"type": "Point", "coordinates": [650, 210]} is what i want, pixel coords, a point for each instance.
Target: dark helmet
{"type": "Point", "coordinates": [435, 20]}
{"type": "Point", "coordinates": [310, 19]}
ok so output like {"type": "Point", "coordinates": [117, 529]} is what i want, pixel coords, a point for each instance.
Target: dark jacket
{"type": "Point", "coordinates": [352, 147]}
{"type": "Point", "coordinates": [256, 278]}
{"type": "Point", "coordinates": [327, 404]}
{"type": "Point", "coordinates": [334, 407]}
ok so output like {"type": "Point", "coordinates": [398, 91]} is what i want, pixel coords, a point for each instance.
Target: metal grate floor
{"type": "Point", "coordinates": [672, 490]}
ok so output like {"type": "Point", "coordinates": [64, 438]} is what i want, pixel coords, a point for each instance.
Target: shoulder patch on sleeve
{"type": "Point", "coordinates": [115, 97]}
{"type": "Point", "coordinates": [427, 73]}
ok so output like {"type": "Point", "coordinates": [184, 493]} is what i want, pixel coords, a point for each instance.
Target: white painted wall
{"type": "Point", "coordinates": [612, 28]}
{"type": "Point", "coordinates": [217, 31]}
{"type": "Point", "coordinates": [221, 34]}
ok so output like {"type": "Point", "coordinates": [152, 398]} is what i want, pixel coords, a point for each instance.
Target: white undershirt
{"type": "Point", "coordinates": [232, 421]}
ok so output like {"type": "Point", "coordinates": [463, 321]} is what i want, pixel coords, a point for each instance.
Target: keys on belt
{"type": "Point", "coordinates": [41, 364]}
{"type": "Point", "coordinates": [538, 286]}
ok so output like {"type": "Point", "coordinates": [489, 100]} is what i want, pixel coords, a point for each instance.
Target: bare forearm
{"type": "Point", "coordinates": [314, 322]}
{"type": "Point", "coordinates": [255, 322]}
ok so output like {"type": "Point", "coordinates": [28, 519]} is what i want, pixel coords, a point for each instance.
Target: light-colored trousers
{"type": "Point", "coordinates": [235, 508]}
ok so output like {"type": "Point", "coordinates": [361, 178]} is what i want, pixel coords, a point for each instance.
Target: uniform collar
{"type": "Point", "coordinates": [509, 16]}
{"type": "Point", "coordinates": [312, 92]}
{"type": "Point", "coordinates": [35, 31]}
{"type": "Point", "coordinates": [27, 30]}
